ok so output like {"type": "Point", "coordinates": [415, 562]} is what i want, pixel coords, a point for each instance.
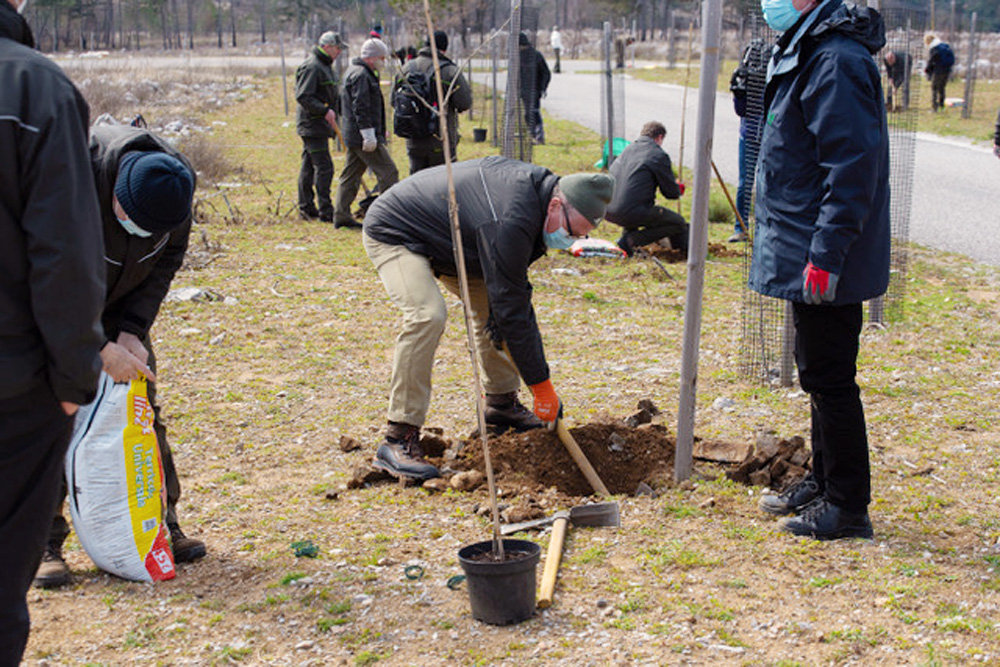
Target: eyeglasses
{"type": "Point", "coordinates": [569, 227]}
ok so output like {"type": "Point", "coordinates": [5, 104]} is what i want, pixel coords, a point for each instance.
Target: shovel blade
{"type": "Point", "coordinates": [605, 514]}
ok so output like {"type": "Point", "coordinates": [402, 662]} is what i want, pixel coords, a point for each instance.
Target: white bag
{"type": "Point", "coordinates": [114, 476]}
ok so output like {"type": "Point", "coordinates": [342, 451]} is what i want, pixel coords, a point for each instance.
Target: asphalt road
{"type": "Point", "coordinates": [956, 183]}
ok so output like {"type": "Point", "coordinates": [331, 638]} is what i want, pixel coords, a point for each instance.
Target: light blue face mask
{"type": "Point", "coordinates": [780, 14]}
{"type": "Point", "coordinates": [559, 239]}
{"type": "Point", "coordinates": [134, 229]}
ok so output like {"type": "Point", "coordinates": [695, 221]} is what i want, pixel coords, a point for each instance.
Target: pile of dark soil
{"type": "Point", "coordinates": [528, 463]}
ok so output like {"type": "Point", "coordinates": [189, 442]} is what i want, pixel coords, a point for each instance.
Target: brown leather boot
{"type": "Point", "coordinates": [400, 455]}
{"type": "Point", "coordinates": [52, 571]}
{"type": "Point", "coordinates": [504, 411]}
{"type": "Point", "coordinates": [186, 549]}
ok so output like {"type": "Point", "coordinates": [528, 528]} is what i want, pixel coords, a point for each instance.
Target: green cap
{"type": "Point", "coordinates": [589, 194]}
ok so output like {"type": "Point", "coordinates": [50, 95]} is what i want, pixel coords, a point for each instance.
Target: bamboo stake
{"type": "Point", "coordinates": [463, 283]}
{"type": "Point", "coordinates": [725, 191]}
{"type": "Point", "coordinates": [684, 104]}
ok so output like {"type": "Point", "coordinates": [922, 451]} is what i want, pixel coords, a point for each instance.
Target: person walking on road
{"type": "Point", "coordinates": [51, 293]}
{"type": "Point", "coordinates": [509, 212]}
{"type": "Point", "coordinates": [318, 100]}
{"type": "Point", "coordinates": [429, 151]}
{"type": "Point", "coordinates": [362, 109]}
{"type": "Point", "coordinates": [996, 137]}
{"type": "Point", "coordinates": [642, 169]}
{"type": "Point", "coordinates": [145, 189]}
{"type": "Point", "coordinates": [822, 238]}
{"type": "Point", "coordinates": [555, 41]}
{"type": "Point", "coordinates": [940, 61]}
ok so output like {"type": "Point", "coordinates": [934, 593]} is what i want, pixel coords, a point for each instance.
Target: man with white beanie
{"type": "Point", "coordinates": [362, 111]}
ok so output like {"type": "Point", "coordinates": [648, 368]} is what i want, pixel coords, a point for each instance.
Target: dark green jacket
{"type": "Point", "coordinates": [316, 92]}
{"type": "Point", "coordinates": [459, 99]}
{"type": "Point", "coordinates": [362, 104]}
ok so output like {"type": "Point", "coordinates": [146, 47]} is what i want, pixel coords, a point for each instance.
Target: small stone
{"type": "Point", "coordinates": [215, 340]}
{"type": "Point", "coordinates": [365, 475]}
{"type": "Point", "coordinates": [638, 419]}
{"type": "Point", "coordinates": [189, 331]}
{"type": "Point", "coordinates": [705, 504]}
{"type": "Point", "coordinates": [616, 443]}
{"type": "Point", "coordinates": [760, 477]}
{"type": "Point", "coordinates": [722, 403]}
{"type": "Point", "coordinates": [602, 603]}
{"type": "Point", "coordinates": [644, 490]}
{"type": "Point", "coordinates": [438, 484]}
{"type": "Point", "coordinates": [305, 645]}
{"type": "Point", "coordinates": [766, 446]}
{"type": "Point", "coordinates": [468, 480]}
{"type": "Point", "coordinates": [648, 406]}
{"type": "Point", "coordinates": [522, 513]}
{"type": "Point", "coordinates": [362, 600]}
{"type": "Point", "coordinates": [349, 444]}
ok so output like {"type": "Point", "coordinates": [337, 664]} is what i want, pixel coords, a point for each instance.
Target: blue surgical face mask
{"type": "Point", "coordinates": [780, 14]}
{"type": "Point", "coordinates": [133, 229]}
{"type": "Point", "coordinates": [559, 239]}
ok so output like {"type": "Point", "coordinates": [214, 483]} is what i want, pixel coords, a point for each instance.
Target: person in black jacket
{"type": "Point", "coordinates": [940, 60]}
{"type": "Point", "coordinates": [318, 100]}
{"type": "Point", "coordinates": [145, 188]}
{"type": "Point", "coordinates": [509, 213]}
{"type": "Point", "coordinates": [996, 137]}
{"type": "Point", "coordinates": [641, 169]}
{"type": "Point", "coordinates": [429, 151]}
{"type": "Point", "coordinates": [822, 240]}
{"type": "Point", "coordinates": [362, 110]}
{"type": "Point", "coordinates": [51, 289]}
{"type": "Point", "coordinates": [535, 78]}
{"type": "Point", "coordinates": [897, 70]}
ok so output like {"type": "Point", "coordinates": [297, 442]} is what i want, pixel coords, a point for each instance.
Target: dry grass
{"type": "Point", "coordinates": [258, 393]}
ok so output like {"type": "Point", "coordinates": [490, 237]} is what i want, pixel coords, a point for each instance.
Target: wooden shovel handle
{"type": "Point", "coordinates": [552, 560]}
{"type": "Point", "coordinates": [581, 459]}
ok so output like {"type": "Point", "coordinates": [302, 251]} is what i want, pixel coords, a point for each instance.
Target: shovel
{"type": "Point", "coordinates": [599, 514]}
{"type": "Point", "coordinates": [593, 514]}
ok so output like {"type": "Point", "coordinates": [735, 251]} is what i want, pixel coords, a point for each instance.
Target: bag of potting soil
{"type": "Point", "coordinates": [115, 481]}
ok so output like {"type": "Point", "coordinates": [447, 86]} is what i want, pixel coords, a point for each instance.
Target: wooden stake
{"type": "Point", "coordinates": [684, 103]}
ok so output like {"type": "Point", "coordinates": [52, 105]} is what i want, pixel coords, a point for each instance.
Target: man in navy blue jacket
{"type": "Point", "coordinates": [822, 237]}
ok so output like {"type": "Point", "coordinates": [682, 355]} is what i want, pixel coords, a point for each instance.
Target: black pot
{"type": "Point", "coordinates": [501, 593]}
{"type": "Point", "coordinates": [479, 135]}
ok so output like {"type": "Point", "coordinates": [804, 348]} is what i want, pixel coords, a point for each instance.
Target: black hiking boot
{"type": "Point", "coordinates": [794, 499]}
{"type": "Point", "coordinates": [186, 549]}
{"type": "Point", "coordinates": [822, 520]}
{"type": "Point", "coordinates": [504, 412]}
{"type": "Point", "coordinates": [52, 571]}
{"type": "Point", "coordinates": [400, 455]}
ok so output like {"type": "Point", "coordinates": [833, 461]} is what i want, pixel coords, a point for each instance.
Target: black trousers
{"type": "Point", "coordinates": [425, 153]}
{"type": "Point", "coordinates": [645, 227]}
{"type": "Point", "coordinates": [826, 353]}
{"type": "Point", "coordinates": [316, 172]}
{"type": "Point", "coordinates": [34, 433]}
{"type": "Point", "coordinates": [60, 527]}
{"type": "Point", "coordinates": [938, 82]}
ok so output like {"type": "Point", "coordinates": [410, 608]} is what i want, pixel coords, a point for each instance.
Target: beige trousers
{"type": "Point", "coordinates": [409, 280]}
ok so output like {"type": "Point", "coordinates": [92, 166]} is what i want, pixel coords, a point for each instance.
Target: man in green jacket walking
{"type": "Point", "coordinates": [318, 100]}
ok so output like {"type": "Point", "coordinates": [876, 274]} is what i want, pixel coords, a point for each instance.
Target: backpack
{"type": "Point", "coordinates": [414, 105]}
{"type": "Point", "coordinates": [945, 55]}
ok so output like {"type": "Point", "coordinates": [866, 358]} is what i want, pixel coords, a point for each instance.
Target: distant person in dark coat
{"type": "Point", "coordinates": [362, 109]}
{"type": "Point", "coordinates": [51, 294]}
{"type": "Point", "coordinates": [822, 240]}
{"type": "Point", "coordinates": [509, 212]}
{"type": "Point", "coordinates": [535, 77]}
{"type": "Point", "coordinates": [897, 70]}
{"type": "Point", "coordinates": [641, 170]}
{"type": "Point", "coordinates": [940, 61]}
{"type": "Point", "coordinates": [318, 100]}
{"type": "Point", "coordinates": [996, 137]}
{"type": "Point", "coordinates": [429, 151]}
{"type": "Point", "coordinates": [747, 87]}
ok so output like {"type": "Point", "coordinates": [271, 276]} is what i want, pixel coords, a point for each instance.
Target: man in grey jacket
{"type": "Point", "coordinates": [429, 151]}
{"type": "Point", "coordinates": [318, 100]}
{"type": "Point", "coordinates": [51, 294]}
{"type": "Point", "coordinates": [641, 169]}
{"type": "Point", "coordinates": [362, 109]}
{"type": "Point", "coordinates": [510, 212]}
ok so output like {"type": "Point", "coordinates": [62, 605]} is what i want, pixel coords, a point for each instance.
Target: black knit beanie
{"type": "Point", "coordinates": [155, 189]}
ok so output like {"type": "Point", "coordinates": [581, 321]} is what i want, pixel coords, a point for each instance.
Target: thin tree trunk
{"type": "Point", "coordinates": [232, 19]}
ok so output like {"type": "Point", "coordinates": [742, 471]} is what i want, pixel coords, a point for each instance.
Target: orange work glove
{"type": "Point", "coordinates": [546, 401]}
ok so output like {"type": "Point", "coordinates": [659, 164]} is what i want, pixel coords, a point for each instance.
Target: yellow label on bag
{"type": "Point", "coordinates": [144, 474]}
